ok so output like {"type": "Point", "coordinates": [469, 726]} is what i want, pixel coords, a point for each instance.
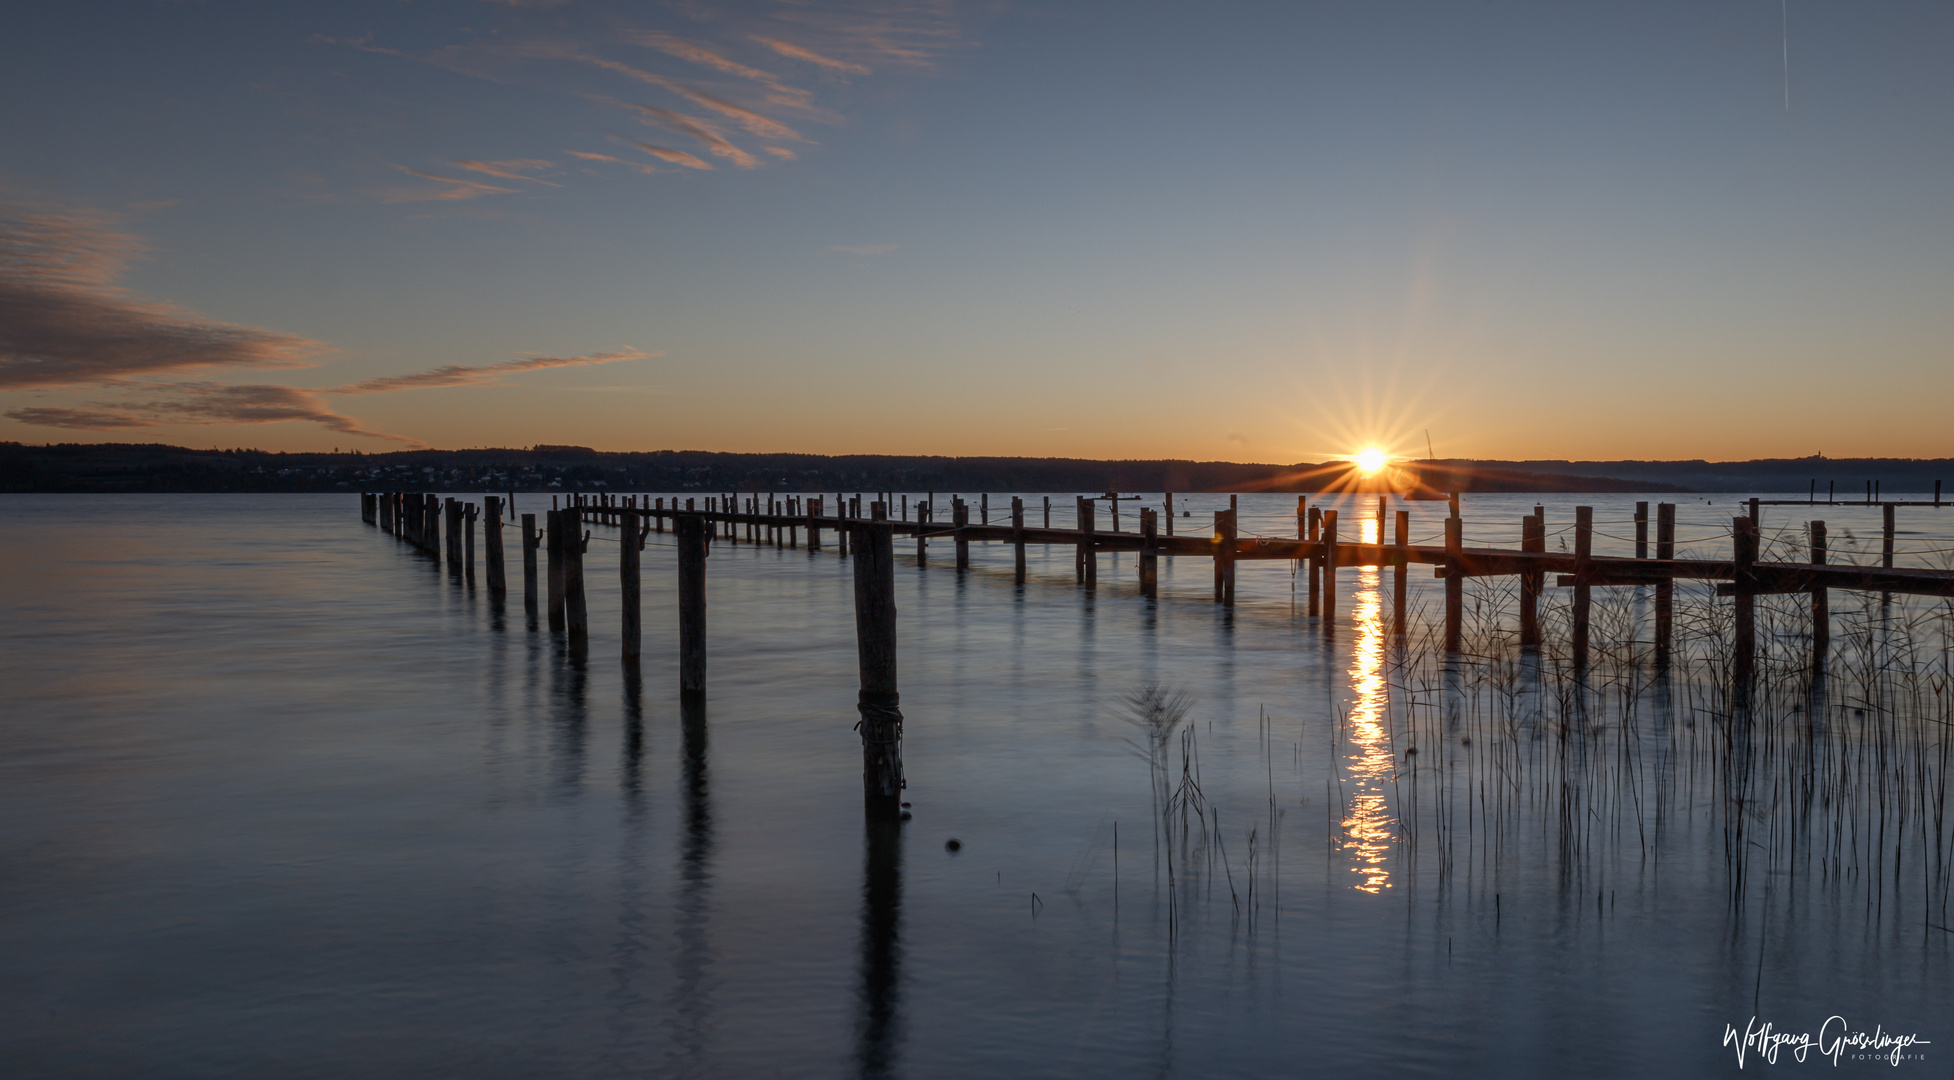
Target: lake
{"type": "Point", "coordinates": [279, 796]}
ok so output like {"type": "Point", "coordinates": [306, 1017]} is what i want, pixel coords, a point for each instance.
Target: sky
{"type": "Point", "coordinates": [1256, 232]}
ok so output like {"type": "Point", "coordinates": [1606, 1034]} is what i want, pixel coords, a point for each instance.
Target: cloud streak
{"type": "Point", "coordinates": [65, 325]}
{"type": "Point", "coordinates": [459, 189]}
{"type": "Point", "coordinates": [484, 374]}
{"type": "Point", "coordinates": [796, 52]}
{"type": "Point", "coordinates": [64, 321]}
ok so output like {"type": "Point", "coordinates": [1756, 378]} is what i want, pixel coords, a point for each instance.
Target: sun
{"type": "Point", "coordinates": [1370, 460]}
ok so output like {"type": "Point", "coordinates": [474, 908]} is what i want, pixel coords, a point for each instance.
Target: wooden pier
{"type": "Point", "coordinates": [866, 535]}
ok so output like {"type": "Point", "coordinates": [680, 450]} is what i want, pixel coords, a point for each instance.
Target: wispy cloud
{"type": "Point", "coordinates": [796, 52]}
{"type": "Point", "coordinates": [676, 157]}
{"type": "Point", "coordinates": [79, 419]}
{"type": "Point", "coordinates": [484, 374]}
{"type": "Point", "coordinates": [512, 170]}
{"type": "Point", "coordinates": [66, 326]}
{"type": "Point", "coordinates": [458, 189]}
{"type": "Point", "coordinates": [740, 79]}
{"type": "Point", "coordinates": [205, 404]}
{"type": "Point", "coordinates": [64, 321]}
{"type": "Point", "coordinates": [865, 249]}
{"type": "Point", "coordinates": [702, 130]}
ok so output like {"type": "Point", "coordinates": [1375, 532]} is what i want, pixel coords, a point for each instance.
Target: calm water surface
{"type": "Point", "coordinates": [279, 797]}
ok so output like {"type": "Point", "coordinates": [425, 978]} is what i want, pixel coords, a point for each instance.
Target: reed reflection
{"type": "Point", "coordinates": [1370, 762]}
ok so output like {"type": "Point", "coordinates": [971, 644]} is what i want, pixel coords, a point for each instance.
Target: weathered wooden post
{"type": "Point", "coordinates": [1744, 590]}
{"type": "Point", "coordinates": [1641, 530]}
{"type": "Point", "coordinates": [875, 635]}
{"type": "Point", "coordinates": [1754, 500]}
{"type": "Point", "coordinates": [470, 512]}
{"type": "Point", "coordinates": [1821, 603]}
{"type": "Point", "coordinates": [1533, 539]}
{"type": "Point", "coordinates": [690, 530]}
{"type": "Point", "coordinates": [1315, 560]}
{"type": "Point", "coordinates": [1149, 554]}
{"type": "Point", "coordinates": [1454, 584]}
{"type": "Point", "coordinates": [1665, 589]}
{"type": "Point", "coordinates": [1886, 545]}
{"type": "Point", "coordinates": [925, 521]}
{"type": "Point", "coordinates": [1886, 536]}
{"type": "Point", "coordinates": [1089, 542]}
{"type": "Point", "coordinates": [386, 512]}
{"type": "Point", "coordinates": [498, 584]}
{"type": "Point", "coordinates": [629, 592]}
{"type": "Point", "coordinates": [1048, 511]}
{"type": "Point", "coordinates": [1225, 557]}
{"type": "Point", "coordinates": [1017, 536]}
{"type": "Point", "coordinates": [1400, 567]}
{"type": "Point", "coordinates": [1583, 552]}
{"type": "Point", "coordinates": [986, 503]}
{"type": "Point", "coordinates": [658, 514]}
{"type": "Point", "coordinates": [842, 529]}
{"type": "Point", "coordinates": [530, 537]}
{"type": "Point", "coordinates": [960, 519]}
{"type": "Point", "coordinates": [576, 616]}
{"type": "Point", "coordinates": [1169, 502]}
{"type": "Point", "coordinates": [1329, 570]}
{"type": "Point", "coordinates": [558, 542]}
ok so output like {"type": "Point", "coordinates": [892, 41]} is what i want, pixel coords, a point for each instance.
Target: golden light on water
{"type": "Point", "coordinates": [1371, 460]}
{"type": "Point", "coordinates": [1369, 761]}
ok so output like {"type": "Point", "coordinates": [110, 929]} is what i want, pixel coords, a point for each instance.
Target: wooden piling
{"type": "Point", "coordinates": [1665, 590]}
{"type": "Point", "coordinates": [470, 512]}
{"type": "Point", "coordinates": [1315, 560]}
{"type": "Point", "coordinates": [1400, 565]}
{"type": "Point", "coordinates": [878, 700]}
{"type": "Point", "coordinates": [1744, 626]}
{"type": "Point", "coordinates": [961, 514]}
{"type": "Point", "coordinates": [557, 543]}
{"type": "Point", "coordinates": [576, 615]}
{"type": "Point", "coordinates": [1329, 570]}
{"type": "Point", "coordinates": [1149, 553]}
{"type": "Point", "coordinates": [529, 539]}
{"type": "Point", "coordinates": [1821, 602]}
{"type": "Point", "coordinates": [1454, 584]}
{"type": "Point", "coordinates": [1170, 513]}
{"type": "Point", "coordinates": [1048, 511]}
{"type": "Point", "coordinates": [1641, 530]}
{"type": "Point", "coordinates": [1886, 535]}
{"type": "Point", "coordinates": [690, 530]}
{"type": "Point", "coordinates": [629, 588]}
{"type": "Point", "coordinates": [1533, 538]}
{"type": "Point", "coordinates": [1886, 544]}
{"type": "Point", "coordinates": [1583, 591]}
{"type": "Point", "coordinates": [1017, 538]}
{"type": "Point", "coordinates": [1089, 543]}
{"type": "Point", "coordinates": [813, 507]}
{"type": "Point", "coordinates": [498, 584]}
{"type": "Point", "coordinates": [1225, 534]}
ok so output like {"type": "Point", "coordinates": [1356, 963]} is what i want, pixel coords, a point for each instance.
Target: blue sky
{"type": "Point", "coordinates": [1253, 231]}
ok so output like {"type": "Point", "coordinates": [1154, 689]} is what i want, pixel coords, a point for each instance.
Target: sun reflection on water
{"type": "Point", "coordinates": [1368, 760]}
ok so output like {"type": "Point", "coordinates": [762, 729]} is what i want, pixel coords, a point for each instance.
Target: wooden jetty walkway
{"type": "Point", "coordinates": [867, 534]}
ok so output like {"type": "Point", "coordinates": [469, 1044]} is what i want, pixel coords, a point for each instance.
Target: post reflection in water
{"type": "Point", "coordinates": [1369, 761]}
{"type": "Point", "coordinates": [691, 1004]}
{"type": "Point", "coordinates": [876, 1029]}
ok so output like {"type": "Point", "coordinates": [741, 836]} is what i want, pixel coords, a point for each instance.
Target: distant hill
{"type": "Point", "coordinates": [128, 467]}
